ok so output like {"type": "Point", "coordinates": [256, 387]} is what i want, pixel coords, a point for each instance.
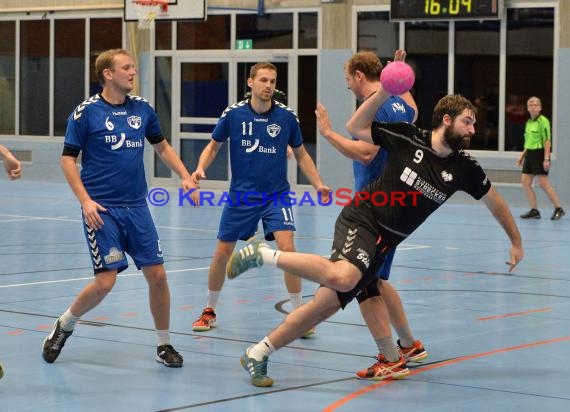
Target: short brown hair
{"type": "Point", "coordinates": [106, 60]}
{"type": "Point", "coordinates": [261, 65]}
{"type": "Point", "coordinates": [453, 105]}
{"type": "Point", "coordinates": [365, 62]}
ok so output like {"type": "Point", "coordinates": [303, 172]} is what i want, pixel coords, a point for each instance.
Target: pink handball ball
{"type": "Point", "coordinates": [397, 78]}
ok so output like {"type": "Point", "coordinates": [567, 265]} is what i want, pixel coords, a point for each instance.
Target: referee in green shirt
{"type": "Point", "coordinates": [535, 160]}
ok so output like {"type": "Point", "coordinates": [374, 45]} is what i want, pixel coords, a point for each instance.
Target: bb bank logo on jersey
{"type": "Point", "coordinates": [255, 147]}
{"type": "Point", "coordinates": [119, 141]}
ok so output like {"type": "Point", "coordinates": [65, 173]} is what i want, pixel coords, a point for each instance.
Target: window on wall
{"type": "Point", "coordinates": [477, 46]}
{"type": "Point", "coordinates": [427, 47]}
{"type": "Point", "coordinates": [69, 70]}
{"type": "Point", "coordinates": [529, 71]}
{"type": "Point", "coordinates": [163, 107]}
{"type": "Point", "coordinates": [7, 77]}
{"type": "Point", "coordinates": [308, 30]}
{"type": "Point", "coordinates": [106, 34]}
{"type": "Point", "coordinates": [68, 45]}
{"type": "Point", "coordinates": [307, 90]}
{"type": "Point", "coordinates": [377, 34]}
{"type": "Point", "coordinates": [34, 77]}
{"type": "Point", "coordinates": [212, 34]}
{"type": "Point", "coordinates": [162, 35]}
{"type": "Point", "coordinates": [269, 31]}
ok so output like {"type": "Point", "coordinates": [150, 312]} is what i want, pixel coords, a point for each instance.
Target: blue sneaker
{"type": "Point", "coordinates": [257, 369]}
{"type": "Point", "coordinates": [245, 259]}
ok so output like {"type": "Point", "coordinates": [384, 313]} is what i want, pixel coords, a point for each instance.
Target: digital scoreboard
{"type": "Point", "coordinates": [421, 10]}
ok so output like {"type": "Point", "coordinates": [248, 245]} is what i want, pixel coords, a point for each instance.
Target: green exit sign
{"type": "Point", "coordinates": [244, 44]}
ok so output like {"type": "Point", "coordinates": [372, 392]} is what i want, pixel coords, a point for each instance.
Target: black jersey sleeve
{"type": "Point", "coordinates": [69, 150]}
{"type": "Point", "coordinates": [475, 180]}
{"type": "Point", "coordinates": [155, 139]}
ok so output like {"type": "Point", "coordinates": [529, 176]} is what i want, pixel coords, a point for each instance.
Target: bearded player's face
{"type": "Point", "coordinates": [459, 133]}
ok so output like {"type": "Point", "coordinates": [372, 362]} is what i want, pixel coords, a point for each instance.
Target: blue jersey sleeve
{"type": "Point", "coordinates": [153, 128]}
{"type": "Point", "coordinates": [394, 110]}
{"type": "Point", "coordinates": [77, 128]}
{"type": "Point", "coordinates": [220, 133]}
{"type": "Point", "coordinates": [295, 139]}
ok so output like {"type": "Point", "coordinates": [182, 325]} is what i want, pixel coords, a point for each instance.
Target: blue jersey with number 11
{"type": "Point", "coordinates": [258, 146]}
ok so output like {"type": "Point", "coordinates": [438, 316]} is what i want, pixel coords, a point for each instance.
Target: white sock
{"type": "Point", "coordinates": [162, 337]}
{"type": "Point", "coordinates": [269, 255]}
{"type": "Point", "coordinates": [295, 299]}
{"type": "Point", "coordinates": [68, 320]}
{"type": "Point", "coordinates": [213, 296]}
{"type": "Point", "coordinates": [261, 350]}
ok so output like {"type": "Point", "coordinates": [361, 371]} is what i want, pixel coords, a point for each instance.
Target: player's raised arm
{"type": "Point", "coordinates": [361, 121]}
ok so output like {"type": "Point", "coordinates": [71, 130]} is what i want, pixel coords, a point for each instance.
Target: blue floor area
{"type": "Point", "coordinates": [496, 341]}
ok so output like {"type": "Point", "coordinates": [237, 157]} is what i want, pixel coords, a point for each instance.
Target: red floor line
{"type": "Point", "coordinates": [370, 388]}
{"type": "Point", "coordinates": [508, 315]}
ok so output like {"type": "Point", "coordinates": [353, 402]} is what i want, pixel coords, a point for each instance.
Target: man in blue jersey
{"type": "Point", "coordinates": [258, 131]}
{"type": "Point", "coordinates": [428, 166]}
{"type": "Point", "coordinates": [362, 73]}
{"type": "Point", "coordinates": [109, 130]}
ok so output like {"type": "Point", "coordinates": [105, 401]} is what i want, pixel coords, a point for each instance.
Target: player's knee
{"type": "Point", "coordinates": [105, 284]}
{"type": "Point", "coordinates": [158, 280]}
{"type": "Point", "coordinates": [343, 281]}
{"type": "Point", "coordinates": [544, 184]}
{"type": "Point", "coordinates": [223, 252]}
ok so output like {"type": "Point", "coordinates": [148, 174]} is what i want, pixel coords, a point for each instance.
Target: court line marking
{"type": "Point", "coordinates": [402, 247]}
{"type": "Point", "coordinates": [66, 219]}
{"type": "Point", "coordinates": [508, 315]}
{"type": "Point", "coordinates": [343, 401]}
{"type": "Point", "coordinates": [168, 271]}
{"type": "Point", "coordinates": [123, 275]}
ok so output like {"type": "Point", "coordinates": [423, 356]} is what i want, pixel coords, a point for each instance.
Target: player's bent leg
{"type": "Point", "coordinates": [293, 283]}
{"type": "Point", "coordinates": [324, 304]}
{"type": "Point", "coordinates": [88, 298]}
{"type": "Point", "coordinates": [216, 277]}
{"type": "Point", "coordinates": [159, 295]}
{"type": "Point", "coordinates": [393, 303]}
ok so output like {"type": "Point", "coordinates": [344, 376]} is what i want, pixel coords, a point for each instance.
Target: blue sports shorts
{"type": "Point", "coordinates": [126, 230]}
{"type": "Point", "coordinates": [240, 222]}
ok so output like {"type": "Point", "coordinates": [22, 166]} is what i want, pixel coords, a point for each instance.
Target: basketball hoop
{"type": "Point", "coordinates": [148, 10]}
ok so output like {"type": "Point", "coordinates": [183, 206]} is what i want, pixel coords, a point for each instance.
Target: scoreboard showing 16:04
{"type": "Point", "coordinates": [418, 10]}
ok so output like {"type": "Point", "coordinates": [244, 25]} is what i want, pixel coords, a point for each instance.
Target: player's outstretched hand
{"type": "Point", "coordinates": [517, 255]}
{"type": "Point", "coordinates": [323, 121]}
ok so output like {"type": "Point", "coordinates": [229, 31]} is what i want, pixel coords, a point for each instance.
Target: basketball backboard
{"type": "Point", "coordinates": [177, 10]}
